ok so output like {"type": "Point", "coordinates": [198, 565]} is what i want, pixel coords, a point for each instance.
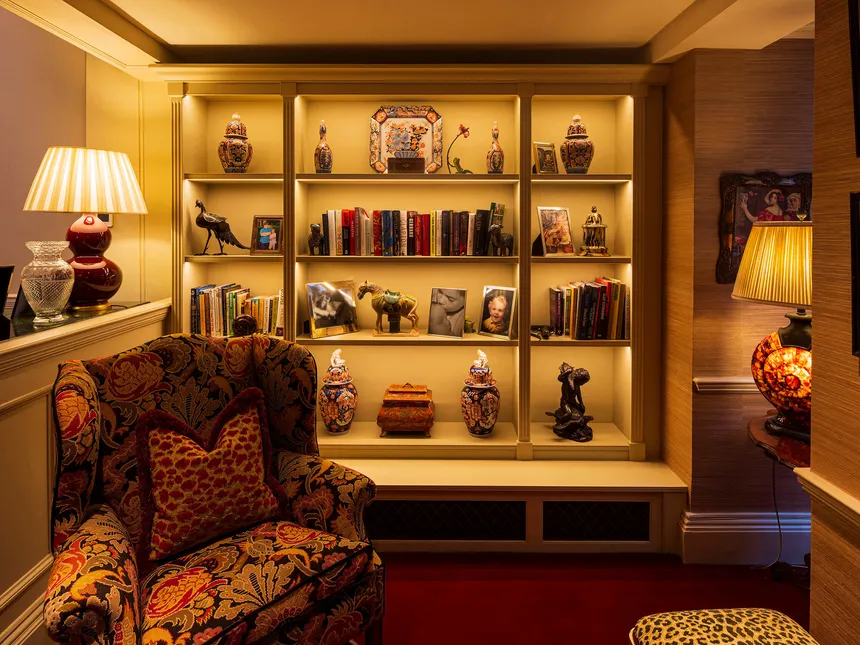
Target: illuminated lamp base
{"type": "Point", "coordinates": [782, 370]}
{"type": "Point", "coordinates": [97, 279]}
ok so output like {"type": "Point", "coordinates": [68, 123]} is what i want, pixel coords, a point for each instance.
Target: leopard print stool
{"type": "Point", "coordinates": [719, 627]}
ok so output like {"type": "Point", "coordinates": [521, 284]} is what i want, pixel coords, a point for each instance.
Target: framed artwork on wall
{"type": "Point", "coordinates": [854, 36]}
{"type": "Point", "coordinates": [765, 197]}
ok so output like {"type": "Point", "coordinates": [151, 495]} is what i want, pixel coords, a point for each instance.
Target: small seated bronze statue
{"type": "Point", "coordinates": [571, 422]}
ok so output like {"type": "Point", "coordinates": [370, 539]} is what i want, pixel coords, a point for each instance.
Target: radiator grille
{"type": "Point", "coordinates": [596, 521]}
{"type": "Point", "coordinates": [446, 520]}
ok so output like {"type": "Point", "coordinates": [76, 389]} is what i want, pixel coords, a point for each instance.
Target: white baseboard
{"type": "Point", "coordinates": [28, 628]}
{"type": "Point", "coordinates": [743, 538]}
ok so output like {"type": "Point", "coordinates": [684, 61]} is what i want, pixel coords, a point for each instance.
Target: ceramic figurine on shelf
{"type": "Point", "coordinates": [503, 243]}
{"type": "Point", "coordinates": [594, 235]}
{"type": "Point", "coordinates": [496, 156]}
{"type": "Point", "coordinates": [479, 398]}
{"type": "Point", "coordinates": [571, 422]}
{"type": "Point", "coordinates": [393, 304]}
{"type": "Point", "coordinates": [577, 151]}
{"type": "Point", "coordinates": [235, 151]}
{"type": "Point", "coordinates": [315, 241]}
{"type": "Point", "coordinates": [322, 153]}
{"type": "Point", "coordinates": [468, 326]}
{"type": "Point", "coordinates": [338, 396]}
{"type": "Point", "coordinates": [213, 224]}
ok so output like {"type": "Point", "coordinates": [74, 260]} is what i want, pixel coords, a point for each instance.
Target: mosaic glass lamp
{"type": "Point", "coordinates": [90, 182]}
{"type": "Point", "coordinates": [776, 269]}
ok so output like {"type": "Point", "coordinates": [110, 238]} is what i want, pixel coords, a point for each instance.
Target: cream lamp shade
{"type": "Point", "coordinates": [776, 267]}
{"type": "Point", "coordinates": [81, 180]}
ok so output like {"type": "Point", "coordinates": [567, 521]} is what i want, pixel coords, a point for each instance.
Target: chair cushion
{"type": "Point", "coordinates": [720, 627]}
{"type": "Point", "coordinates": [247, 586]}
{"type": "Point", "coordinates": [193, 491]}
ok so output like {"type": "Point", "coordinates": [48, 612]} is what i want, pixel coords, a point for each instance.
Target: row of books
{"type": "Point", "coordinates": [598, 310]}
{"type": "Point", "coordinates": [213, 309]}
{"type": "Point", "coordinates": [405, 232]}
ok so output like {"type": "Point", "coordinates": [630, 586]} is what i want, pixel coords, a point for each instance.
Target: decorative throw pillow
{"type": "Point", "coordinates": [191, 492]}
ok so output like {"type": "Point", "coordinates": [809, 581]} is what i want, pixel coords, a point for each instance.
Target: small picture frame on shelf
{"type": "Point", "coordinates": [331, 306]}
{"type": "Point", "coordinates": [555, 235]}
{"type": "Point", "coordinates": [447, 312]}
{"type": "Point", "coordinates": [545, 159]}
{"type": "Point", "coordinates": [498, 306]}
{"type": "Point", "coordinates": [267, 235]}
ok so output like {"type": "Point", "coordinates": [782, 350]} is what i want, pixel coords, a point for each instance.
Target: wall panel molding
{"type": "Point", "coordinates": [25, 625]}
{"type": "Point", "coordinates": [725, 385]}
{"type": "Point", "coordinates": [834, 499]}
{"type": "Point", "coordinates": [24, 582]}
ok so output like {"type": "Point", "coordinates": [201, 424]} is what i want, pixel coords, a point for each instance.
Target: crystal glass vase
{"type": "Point", "coordinates": [47, 281]}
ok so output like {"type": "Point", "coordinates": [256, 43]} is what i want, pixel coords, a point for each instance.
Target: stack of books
{"type": "Point", "coordinates": [213, 309]}
{"type": "Point", "coordinates": [407, 232]}
{"type": "Point", "coordinates": [598, 310]}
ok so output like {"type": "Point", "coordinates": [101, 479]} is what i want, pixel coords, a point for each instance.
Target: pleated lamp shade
{"type": "Point", "coordinates": [81, 180]}
{"type": "Point", "coordinates": [776, 267]}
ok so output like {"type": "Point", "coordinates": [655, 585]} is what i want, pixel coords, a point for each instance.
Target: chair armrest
{"type": "Point", "coordinates": [93, 586]}
{"type": "Point", "coordinates": [325, 495]}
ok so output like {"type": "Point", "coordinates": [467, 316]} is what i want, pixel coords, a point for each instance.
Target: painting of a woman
{"type": "Point", "coordinates": [772, 212]}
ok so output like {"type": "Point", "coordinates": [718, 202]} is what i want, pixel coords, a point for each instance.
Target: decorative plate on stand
{"type": "Point", "coordinates": [406, 132]}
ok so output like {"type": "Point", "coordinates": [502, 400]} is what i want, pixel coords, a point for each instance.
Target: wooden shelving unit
{"type": "Point", "coordinates": [282, 117]}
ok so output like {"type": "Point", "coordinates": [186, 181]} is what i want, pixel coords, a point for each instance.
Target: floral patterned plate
{"type": "Point", "coordinates": [406, 131]}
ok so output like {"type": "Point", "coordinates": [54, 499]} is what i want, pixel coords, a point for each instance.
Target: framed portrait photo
{"type": "Point", "coordinates": [762, 197]}
{"type": "Point", "coordinates": [447, 312]}
{"type": "Point", "coordinates": [498, 306]}
{"type": "Point", "coordinates": [545, 160]}
{"type": "Point", "coordinates": [267, 235]}
{"type": "Point", "coordinates": [331, 308]}
{"type": "Point", "coordinates": [555, 235]}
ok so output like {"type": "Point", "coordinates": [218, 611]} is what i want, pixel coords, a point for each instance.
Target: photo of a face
{"type": "Point", "coordinates": [266, 234]}
{"type": "Point", "coordinates": [545, 160]}
{"type": "Point", "coordinates": [497, 311]}
{"type": "Point", "coordinates": [555, 229]}
{"type": "Point", "coordinates": [447, 312]}
{"type": "Point", "coordinates": [332, 308]}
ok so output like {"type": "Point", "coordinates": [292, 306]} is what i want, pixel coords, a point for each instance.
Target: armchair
{"type": "Point", "coordinates": [310, 578]}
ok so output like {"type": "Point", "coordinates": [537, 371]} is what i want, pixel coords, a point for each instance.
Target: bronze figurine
{"type": "Point", "coordinates": [571, 422]}
{"type": "Point", "coordinates": [315, 241]}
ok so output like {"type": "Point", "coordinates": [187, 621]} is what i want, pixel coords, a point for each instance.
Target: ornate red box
{"type": "Point", "coordinates": [406, 408]}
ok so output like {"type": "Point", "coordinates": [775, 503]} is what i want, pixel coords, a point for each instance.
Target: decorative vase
{"type": "Point", "coordinates": [322, 154]}
{"type": "Point", "coordinates": [479, 398]}
{"type": "Point", "coordinates": [47, 281]}
{"type": "Point", "coordinates": [577, 151]}
{"type": "Point", "coordinates": [235, 151]}
{"type": "Point", "coordinates": [496, 156]}
{"type": "Point", "coordinates": [338, 396]}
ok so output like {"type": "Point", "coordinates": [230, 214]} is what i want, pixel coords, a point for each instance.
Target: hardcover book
{"type": "Point", "coordinates": [446, 232]}
{"type": "Point", "coordinates": [470, 235]}
{"type": "Point", "coordinates": [425, 234]}
{"type": "Point", "coordinates": [455, 232]}
{"type": "Point", "coordinates": [404, 232]}
{"type": "Point", "coordinates": [395, 232]}
{"type": "Point", "coordinates": [464, 231]}
{"type": "Point", "coordinates": [377, 233]}
{"type": "Point", "coordinates": [410, 234]}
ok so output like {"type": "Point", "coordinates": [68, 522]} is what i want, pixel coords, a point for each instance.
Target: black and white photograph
{"type": "Point", "coordinates": [447, 312]}
{"type": "Point", "coordinates": [497, 311]}
{"type": "Point", "coordinates": [332, 308]}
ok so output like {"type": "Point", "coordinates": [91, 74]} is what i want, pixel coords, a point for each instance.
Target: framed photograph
{"type": "Point", "coordinates": [497, 311]}
{"type": "Point", "coordinates": [762, 197]}
{"type": "Point", "coordinates": [447, 312]}
{"type": "Point", "coordinates": [545, 160]}
{"type": "Point", "coordinates": [331, 307]}
{"type": "Point", "coordinates": [107, 218]}
{"type": "Point", "coordinates": [555, 234]}
{"type": "Point", "coordinates": [266, 235]}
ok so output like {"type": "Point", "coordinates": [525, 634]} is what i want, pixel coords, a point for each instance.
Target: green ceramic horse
{"type": "Point", "coordinates": [383, 300]}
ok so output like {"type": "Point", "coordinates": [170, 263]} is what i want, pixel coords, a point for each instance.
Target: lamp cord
{"type": "Point", "coordinates": [778, 523]}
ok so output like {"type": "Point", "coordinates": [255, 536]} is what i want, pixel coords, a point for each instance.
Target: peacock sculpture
{"type": "Point", "coordinates": [213, 224]}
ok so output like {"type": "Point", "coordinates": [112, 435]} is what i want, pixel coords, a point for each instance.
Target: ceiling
{"type": "Point", "coordinates": [580, 23]}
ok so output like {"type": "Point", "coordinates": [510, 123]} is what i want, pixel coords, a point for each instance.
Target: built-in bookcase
{"type": "Point", "coordinates": [283, 122]}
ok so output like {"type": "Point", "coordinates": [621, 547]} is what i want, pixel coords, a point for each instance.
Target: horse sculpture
{"type": "Point", "coordinates": [390, 302]}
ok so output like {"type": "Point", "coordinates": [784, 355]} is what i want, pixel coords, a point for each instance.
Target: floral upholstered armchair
{"type": "Point", "coordinates": [308, 577]}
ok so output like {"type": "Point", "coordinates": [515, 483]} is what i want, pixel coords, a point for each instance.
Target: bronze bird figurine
{"type": "Point", "coordinates": [218, 225]}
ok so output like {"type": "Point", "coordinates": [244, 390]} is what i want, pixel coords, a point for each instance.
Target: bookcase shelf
{"type": "Point", "coordinates": [410, 259]}
{"type": "Point", "coordinates": [238, 179]}
{"type": "Point", "coordinates": [439, 178]}
{"type": "Point", "coordinates": [366, 337]}
{"type": "Point", "coordinates": [577, 259]}
{"type": "Point", "coordinates": [555, 341]}
{"type": "Point", "coordinates": [221, 259]}
{"type": "Point", "coordinates": [608, 443]}
{"type": "Point", "coordinates": [582, 179]}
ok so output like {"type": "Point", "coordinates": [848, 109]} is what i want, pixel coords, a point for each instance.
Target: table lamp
{"type": "Point", "coordinates": [81, 180]}
{"type": "Point", "coordinates": [776, 269]}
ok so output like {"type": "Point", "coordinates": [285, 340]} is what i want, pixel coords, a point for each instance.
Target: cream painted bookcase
{"type": "Point", "coordinates": [282, 108]}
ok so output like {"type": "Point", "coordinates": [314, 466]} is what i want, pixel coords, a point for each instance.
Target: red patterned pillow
{"type": "Point", "coordinates": [191, 493]}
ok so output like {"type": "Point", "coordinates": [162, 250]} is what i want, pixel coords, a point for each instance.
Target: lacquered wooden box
{"type": "Point", "coordinates": [406, 408]}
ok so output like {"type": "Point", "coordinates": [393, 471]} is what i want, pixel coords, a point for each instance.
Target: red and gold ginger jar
{"type": "Point", "coordinates": [235, 151]}
{"type": "Point", "coordinates": [338, 396]}
{"type": "Point", "coordinates": [479, 398]}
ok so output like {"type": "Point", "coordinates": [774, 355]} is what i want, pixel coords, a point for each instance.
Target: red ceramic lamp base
{"type": "Point", "coordinates": [97, 279]}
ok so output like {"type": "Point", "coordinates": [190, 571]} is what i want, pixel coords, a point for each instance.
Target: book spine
{"type": "Point", "coordinates": [338, 233]}
{"type": "Point", "coordinates": [410, 233]}
{"type": "Point", "coordinates": [377, 233]}
{"type": "Point", "coordinates": [386, 232]}
{"type": "Point", "coordinates": [324, 231]}
{"type": "Point", "coordinates": [425, 234]}
{"type": "Point", "coordinates": [553, 321]}
{"type": "Point", "coordinates": [395, 233]}
{"type": "Point", "coordinates": [593, 313]}
{"type": "Point", "coordinates": [344, 223]}
{"type": "Point", "coordinates": [331, 243]}
{"type": "Point", "coordinates": [567, 304]}
{"type": "Point", "coordinates": [438, 232]}
{"type": "Point", "coordinates": [600, 315]}
{"type": "Point", "coordinates": [419, 234]}
{"type": "Point", "coordinates": [464, 232]}
{"type": "Point", "coordinates": [627, 316]}
{"type": "Point", "coordinates": [607, 309]}
{"type": "Point", "coordinates": [404, 232]}
{"type": "Point", "coordinates": [446, 232]}
{"type": "Point", "coordinates": [470, 235]}
{"type": "Point", "coordinates": [195, 320]}
{"type": "Point", "coordinates": [480, 230]}
{"type": "Point", "coordinates": [559, 312]}
{"type": "Point", "coordinates": [582, 332]}
{"type": "Point", "coordinates": [353, 234]}
{"type": "Point", "coordinates": [455, 232]}
{"type": "Point", "coordinates": [368, 235]}
{"type": "Point", "coordinates": [433, 233]}
{"type": "Point", "coordinates": [359, 231]}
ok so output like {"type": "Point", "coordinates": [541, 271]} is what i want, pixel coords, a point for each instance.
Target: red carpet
{"type": "Point", "coordinates": [548, 599]}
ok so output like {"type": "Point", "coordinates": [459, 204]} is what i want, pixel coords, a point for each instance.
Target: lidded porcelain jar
{"type": "Point", "coordinates": [479, 398]}
{"type": "Point", "coordinates": [235, 151]}
{"type": "Point", "coordinates": [338, 396]}
{"type": "Point", "coordinates": [577, 151]}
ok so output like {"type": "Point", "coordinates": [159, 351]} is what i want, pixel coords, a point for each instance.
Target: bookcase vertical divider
{"type": "Point", "coordinates": [525, 92]}
{"type": "Point", "coordinates": [288, 91]}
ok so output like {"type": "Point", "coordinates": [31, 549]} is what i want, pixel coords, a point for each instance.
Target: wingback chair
{"type": "Point", "coordinates": [312, 578]}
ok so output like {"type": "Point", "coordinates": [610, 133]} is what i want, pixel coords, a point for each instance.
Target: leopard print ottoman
{"type": "Point", "coordinates": [719, 627]}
